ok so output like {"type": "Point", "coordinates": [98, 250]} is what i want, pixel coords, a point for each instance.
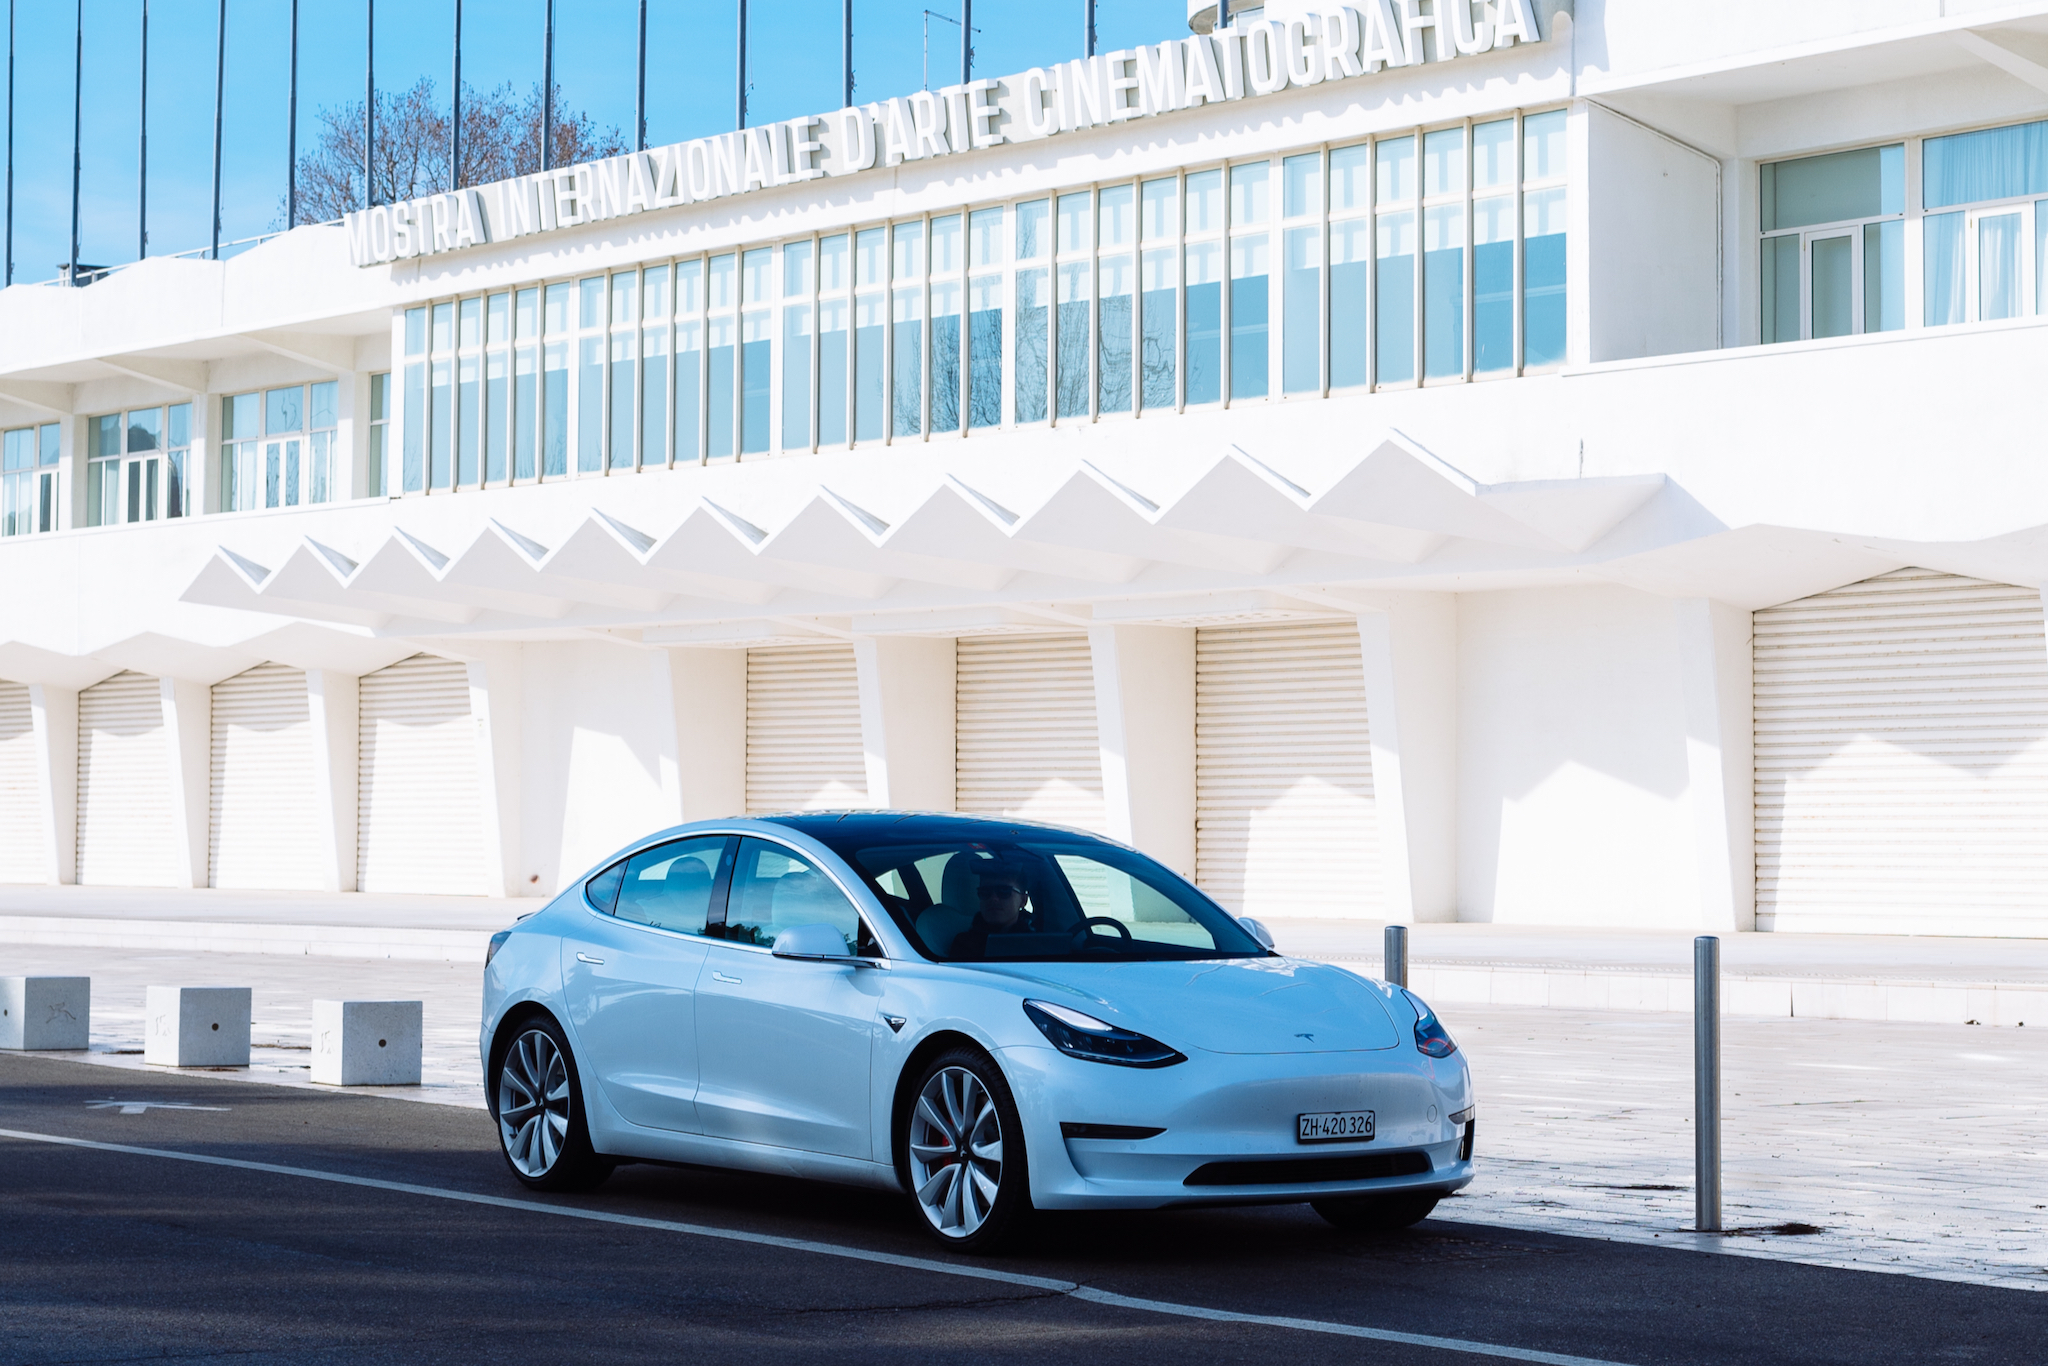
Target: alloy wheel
{"type": "Point", "coordinates": [956, 1152]}
{"type": "Point", "coordinates": [533, 1103]}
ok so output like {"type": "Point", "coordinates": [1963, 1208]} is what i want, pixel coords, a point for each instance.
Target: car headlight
{"type": "Point", "coordinates": [1085, 1037]}
{"type": "Point", "coordinates": [1432, 1040]}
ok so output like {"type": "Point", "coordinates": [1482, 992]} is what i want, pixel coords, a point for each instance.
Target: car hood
{"type": "Point", "coordinates": [1247, 1005]}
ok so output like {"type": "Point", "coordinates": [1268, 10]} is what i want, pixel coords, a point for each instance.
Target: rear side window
{"type": "Point", "coordinates": [603, 890]}
{"type": "Point", "coordinates": [671, 885]}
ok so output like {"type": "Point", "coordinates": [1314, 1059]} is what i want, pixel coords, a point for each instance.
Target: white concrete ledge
{"type": "Point", "coordinates": [318, 941]}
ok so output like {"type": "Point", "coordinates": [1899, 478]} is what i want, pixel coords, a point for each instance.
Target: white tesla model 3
{"type": "Point", "coordinates": [990, 1015]}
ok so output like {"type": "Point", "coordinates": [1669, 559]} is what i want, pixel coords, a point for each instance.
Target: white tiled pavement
{"type": "Point", "coordinates": [1915, 1148]}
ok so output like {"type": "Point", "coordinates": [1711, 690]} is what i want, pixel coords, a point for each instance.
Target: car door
{"type": "Point", "coordinates": [784, 1045]}
{"type": "Point", "coordinates": [629, 974]}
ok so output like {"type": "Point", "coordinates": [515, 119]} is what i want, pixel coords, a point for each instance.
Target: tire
{"type": "Point", "coordinates": [963, 1152]}
{"type": "Point", "coordinates": [536, 1099]}
{"type": "Point", "coordinates": [1376, 1213]}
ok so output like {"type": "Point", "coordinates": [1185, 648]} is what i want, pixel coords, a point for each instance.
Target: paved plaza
{"type": "Point", "coordinates": [1911, 1147]}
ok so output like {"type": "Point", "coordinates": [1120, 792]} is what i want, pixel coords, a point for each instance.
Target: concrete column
{"type": "Point", "coordinates": [1409, 646]}
{"type": "Point", "coordinates": [703, 731]}
{"type": "Point", "coordinates": [53, 715]}
{"type": "Point", "coordinates": [1145, 724]}
{"type": "Point", "coordinates": [496, 688]}
{"type": "Point", "coordinates": [1716, 676]}
{"type": "Point", "coordinates": [334, 707]}
{"type": "Point", "coordinates": [906, 719]}
{"type": "Point", "coordinates": [188, 745]}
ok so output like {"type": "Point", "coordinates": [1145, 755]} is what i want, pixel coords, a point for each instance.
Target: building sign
{"type": "Point", "coordinates": [1245, 61]}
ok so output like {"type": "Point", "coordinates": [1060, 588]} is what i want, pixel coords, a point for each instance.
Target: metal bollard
{"type": "Point", "coordinates": [1394, 957]}
{"type": "Point", "coordinates": [1706, 1082]}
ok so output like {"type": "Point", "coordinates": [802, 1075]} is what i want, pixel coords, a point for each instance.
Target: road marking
{"type": "Point", "coordinates": [1072, 1289]}
{"type": "Point", "coordinates": [136, 1107]}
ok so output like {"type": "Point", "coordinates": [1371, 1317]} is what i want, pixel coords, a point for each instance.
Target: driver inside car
{"type": "Point", "coordinates": [1002, 894]}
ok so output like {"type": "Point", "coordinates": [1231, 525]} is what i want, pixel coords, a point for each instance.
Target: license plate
{"type": "Point", "coordinates": [1334, 1126]}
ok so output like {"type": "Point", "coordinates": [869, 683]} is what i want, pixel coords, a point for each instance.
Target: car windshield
{"type": "Point", "coordinates": [1020, 896]}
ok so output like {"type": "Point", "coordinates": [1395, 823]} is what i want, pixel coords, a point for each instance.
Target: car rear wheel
{"type": "Point", "coordinates": [541, 1129]}
{"type": "Point", "coordinates": [1375, 1213]}
{"type": "Point", "coordinates": [965, 1152]}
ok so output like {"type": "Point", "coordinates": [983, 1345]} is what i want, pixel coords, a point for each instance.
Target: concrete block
{"type": "Point", "coordinates": [1756, 996]}
{"type": "Point", "coordinates": [197, 1026]}
{"type": "Point", "coordinates": [367, 1043]}
{"type": "Point", "coordinates": [1466, 986]}
{"type": "Point", "coordinates": [1577, 991]}
{"type": "Point", "coordinates": [1513, 988]}
{"type": "Point", "coordinates": [1835, 1000]}
{"type": "Point", "coordinates": [1925, 1003]}
{"type": "Point", "coordinates": [2020, 1007]}
{"type": "Point", "coordinates": [45, 1012]}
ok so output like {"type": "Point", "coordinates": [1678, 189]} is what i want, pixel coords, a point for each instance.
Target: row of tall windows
{"type": "Point", "coordinates": [28, 480]}
{"type": "Point", "coordinates": [137, 465]}
{"type": "Point", "coordinates": [278, 447]}
{"type": "Point", "coordinates": [1433, 254]}
{"type": "Point", "coordinates": [1838, 232]}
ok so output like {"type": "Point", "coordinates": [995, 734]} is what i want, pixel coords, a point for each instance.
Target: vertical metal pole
{"type": "Point", "coordinates": [142, 150]}
{"type": "Point", "coordinates": [1706, 1082]}
{"type": "Point", "coordinates": [547, 91]}
{"type": "Point", "coordinates": [743, 65]}
{"type": "Point", "coordinates": [455, 123]}
{"type": "Point", "coordinates": [640, 91]}
{"type": "Point", "coordinates": [1394, 956]}
{"type": "Point", "coordinates": [77, 127]}
{"type": "Point", "coordinates": [370, 105]}
{"type": "Point", "coordinates": [220, 72]}
{"type": "Point", "coordinates": [966, 41]}
{"type": "Point", "coordinates": [1222, 15]}
{"type": "Point", "coordinates": [10, 141]}
{"type": "Point", "coordinates": [291, 133]}
{"type": "Point", "coordinates": [845, 53]}
{"type": "Point", "coordinates": [1088, 38]}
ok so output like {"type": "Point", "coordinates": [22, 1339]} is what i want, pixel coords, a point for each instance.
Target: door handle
{"type": "Point", "coordinates": [586, 958]}
{"type": "Point", "coordinates": [718, 976]}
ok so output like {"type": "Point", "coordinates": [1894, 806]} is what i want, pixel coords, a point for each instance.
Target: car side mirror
{"type": "Point", "coordinates": [812, 943]}
{"type": "Point", "coordinates": [1258, 930]}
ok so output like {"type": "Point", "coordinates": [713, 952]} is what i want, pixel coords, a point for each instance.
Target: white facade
{"type": "Point", "coordinates": [1695, 583]}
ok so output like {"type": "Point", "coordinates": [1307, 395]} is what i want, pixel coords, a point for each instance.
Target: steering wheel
{"type": "Point", "coordinates": [1082, 931]}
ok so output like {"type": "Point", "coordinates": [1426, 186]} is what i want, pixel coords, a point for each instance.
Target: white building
{"type": "Point", "coordinates": [1054, 446]}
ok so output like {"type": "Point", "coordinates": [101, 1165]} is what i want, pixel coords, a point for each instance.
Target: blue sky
{"type": "Point", "coordinates": [794, 58]}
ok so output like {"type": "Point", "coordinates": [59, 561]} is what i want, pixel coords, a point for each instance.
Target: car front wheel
{"type": "Point", "coordinates": [965, 1151]}
{"type": "Point", "coordinates": [540, 1114]}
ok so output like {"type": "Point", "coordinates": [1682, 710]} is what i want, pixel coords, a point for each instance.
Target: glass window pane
{"type": "Point", "coordinates": [796, 376]}
{"type": "Point", "coordinates": [669, 886]}
{"type": "Point", "coordinates": [557, 313]}
{"type": "Point", "coordinates": [654, 367]}
{"type": "Point", "coordinates": [525, 411]}
{"type": "Point", "coordinates": [444, 328]}
{"type": "Point", "coordinates": [496, 397]}
{"type": "Point", "coordinates": [945, 348]}
{"type": "Point", "coordinates": [145, 430]}
{"type": "Point", "coordinates": [590, 302]}
{"type": "Point", "coordinates": [833, 264]}
{"type": "Point", "coordinates": [619, 446]}
{"type": "Point", "coordinates": [722, 290]}
{"type": "Point", "coordinates": [1779, 313]}
{"type": "Point", "coordinates": [654, 285]}
{"type": "Point", "coordinates": [1249, 185]}
{"type": "Point", "coordinates": [441, 443]}
{"type": "Point", "coordinates": [986, 230]}
{"type": "Point", "coordinates": [468, 421]}
{"type": "Point", "coordinates": [1032, 337]}
{"type": "Point", "coordinates": [1443, 288]}
{"type": "Point", "coordinates": [718, 399]}
{"type": "Point", "coordinates": [1116, 281]}
{"type": "Point", "coordinates": [1159, 213]}
{"type": "Point", "coordinates": [1074, 287]}
{"type": "Point", "coordinates": [945, 252]}
{"type": "Point", "coordinates": [870, 336]}
{"type": "Point", "coordinates": [1884, 276]}
{"type": "Point", "coordinates": [1823, 189]}
{"type": "Point", "coordinates": [907, 239]}
{"type": "Point", "coordinates": [1350, 183]}
{"type": "Point", "coordinates": [103, 435]}
{"type": "Point", "coordinates": [906, 376]}
{"type": "Point", "coordinates": [1159, 336]}
{"type": "Point", "coordinates": [321, 412]}
{"type": "Point", "coordinates": [689, 372]}
{"type": "Point", "coordinates": [1205, 321]}
{"type": "Point", "coordinates": [412, 459]}
{"type": "Point", "coordinates": [283, 410]}
{"type": "Point", "coordinates": [689, 288]}
{"type": "Point", "coordinates": [1350, 267]}
{"type": "Point", "coordinates": [1992, 163]}
{"type": "Point", "coordinates": [626, 296]}
{"type": "Point", "coordinates": [796, 270]}
{"type": "Point", "coordinates": [2040, 256]}
{"type": "Point", "coordinates": [1301, 185]}
{"type": "Point", "coordinates": [49, 434]}
{"type": "Point", "coordinates": [590, 405]}
{"type": "Point", "coordinates": [1395, 158]}
{"type": "Point", "coordinates": [756, 379]}
{"type": "Point", "coordinates": [181, 418]}
{"type": "Point", "coordinates": [1833, 286]}
{"type": "Point", "coordinates": [554, 398]}
{"type": "Point", "coordinates": [984, 349]}
{"type": "Point", "coordinates": [471, 331]}
{"type": "Point", "coordinates": [1248, 314]}
{"type": "Point", "coordinates": [415, 331]}
{"type": "Point", "coordinates": [834, 352]}
{"type": "Point", "coordinates": [1205, 201]}
{"type": "Point", "coordinates": [1493, 284]}
{"type": "Point", "coordinates": [498, 319]}
{"type": "Point", "coordinates": [1116, 218]}
{"type": "Point", "coordinates": [1942, 234]}
{"type": "Point", "coordinates": [755, 273]}
{"type": "Point", "coordinates": [1543, 312]}
{"type": "Point", "coordinates": [1543, 146]}
{"type": "Point", "coordinates": [1300, 355]}
{"type": "Point", "coordinates": [1032, 241]}
{"type": "Point", "coordinates": [526, 314]}
{"type": "Point", "coordinates": [1493, 154]}
{"type": "Point", "coordinates": [1394, 309]}
{"type": "Point", "coordinates": [1443, 162]}
{"type": "Point", "coordinates": [1998, 266]}
{"type": "Point", "coordinates": [1075, 229]}
{"type": "Point", "coordinates": [871, 263]}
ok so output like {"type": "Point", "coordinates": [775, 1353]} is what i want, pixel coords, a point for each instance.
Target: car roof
{"type": "Point", "coordinates": [906, 827]}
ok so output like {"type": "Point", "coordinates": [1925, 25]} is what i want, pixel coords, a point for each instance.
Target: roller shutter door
{"type": "Point", "coordinates": [21, 801]}
{"type": "Point", "coordinates": [125, 834]}
{"type": "Point", "coordinates": [1902, 759]}
{"type": "Point", "coordinates": [1024, 730]}
{"type": "Point", "coordinates": [419, 812]}
{"type": "Point", "coordinates": [1283, 771]}
{"type": "Point", "coordinates": [803, 730]}
{"type": "Point", "coordinates": [265, 823]}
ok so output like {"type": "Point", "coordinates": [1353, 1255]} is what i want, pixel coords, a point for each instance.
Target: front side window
{"type": "Point", "coordinates": [776, 889]}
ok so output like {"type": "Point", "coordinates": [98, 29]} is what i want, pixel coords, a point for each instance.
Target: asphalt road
{"type": "Point", "coordinates": [109, 1254]}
